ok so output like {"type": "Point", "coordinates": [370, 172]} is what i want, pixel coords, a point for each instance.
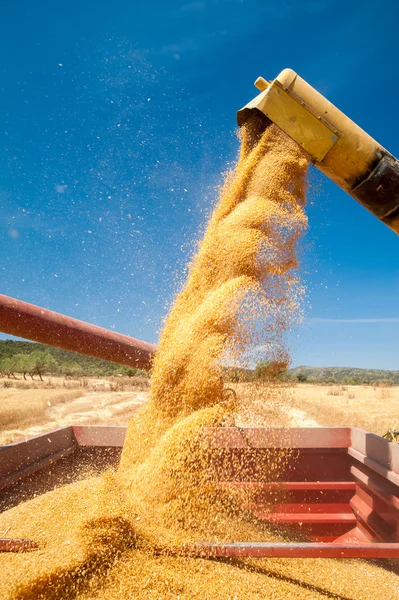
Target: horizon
{"type": "Point", "coordinates": [118, 126]}
{"type": "Point", "coordinates": [289, 368]}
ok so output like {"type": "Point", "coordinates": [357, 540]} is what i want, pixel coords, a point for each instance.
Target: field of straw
{"type": "Point", "coordinates": [372, 408]}
{"type": "Point", "coordinates": [30, 407]}
{"type": "Point", "coordinates": [27, 408]}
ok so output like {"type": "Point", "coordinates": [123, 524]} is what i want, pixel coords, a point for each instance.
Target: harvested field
{"type": "Point", "coordinates": [34, 407]}
{"type": "Point", "coordinates": [37, 407]}
{"type": "Point", "coordinates": [24, 408]}
{"type": "Point", "coordinates": [372, 408]}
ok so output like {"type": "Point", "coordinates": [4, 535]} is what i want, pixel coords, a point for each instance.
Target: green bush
{"type": "Point", "coordinates": [301, 377]}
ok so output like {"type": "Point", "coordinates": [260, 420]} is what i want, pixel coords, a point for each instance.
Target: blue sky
{"type": "Point", "coordinates": [117, 120]}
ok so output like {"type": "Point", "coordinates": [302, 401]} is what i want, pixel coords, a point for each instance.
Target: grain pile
{"type": "Point", "coordinates": [124, 535]}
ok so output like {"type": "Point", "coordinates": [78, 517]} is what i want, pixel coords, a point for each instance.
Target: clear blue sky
{"type": "Point", "coordinates": [117, 120]}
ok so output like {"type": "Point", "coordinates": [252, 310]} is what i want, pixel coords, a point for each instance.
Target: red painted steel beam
{"type": "Point", "coordinates": [306, 518]}
{"type": "Point", "coordinates": [290, 486]}
{"type": "Point", "coordinates": [99, 436]}
{"type": "Point", "coordinates": [41, 325]}
{"type": "Point", "coordinates": [306, 550]}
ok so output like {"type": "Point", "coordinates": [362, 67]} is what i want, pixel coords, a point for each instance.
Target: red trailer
{"type": "Point", "coordinates": [339, 489]}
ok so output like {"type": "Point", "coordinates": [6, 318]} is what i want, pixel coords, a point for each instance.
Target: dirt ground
{"type": "Point", "coordinates": [28, 408]}
{"type": "Point", "coordinates": [372, 408]}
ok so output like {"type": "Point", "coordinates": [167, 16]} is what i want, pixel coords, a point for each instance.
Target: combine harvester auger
{"type": "Point", "coordinates": [333, 142]}
{"type": "Point", "coordinates": [341, 489]}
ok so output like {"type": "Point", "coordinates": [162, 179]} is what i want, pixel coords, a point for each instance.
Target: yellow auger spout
{"type": "Point", "coordinates": [334, 143]}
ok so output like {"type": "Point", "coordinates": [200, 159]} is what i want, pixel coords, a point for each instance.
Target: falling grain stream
{"type": "Point", "coordinates": [125, 534]}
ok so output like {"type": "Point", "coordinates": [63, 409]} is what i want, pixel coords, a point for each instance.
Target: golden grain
{"type": "Point", "coordinates": [119, 536]}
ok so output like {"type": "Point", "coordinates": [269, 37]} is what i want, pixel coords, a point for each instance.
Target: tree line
{"type": "Point", "coordinates": [278, 371]}
{"type": "Point", "coordinates": [27, 359]}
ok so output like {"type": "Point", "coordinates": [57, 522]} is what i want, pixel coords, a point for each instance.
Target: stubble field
{"type": "Point", "coordinates": [29, 408]}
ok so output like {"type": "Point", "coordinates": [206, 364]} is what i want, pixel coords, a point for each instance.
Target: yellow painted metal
{"type": "Point", "coordinates": [313, 133]}
{"type": "Point", "coordinates": [394, 225]}
{"type": "Point", "coordinates": [304, 114]}
{"type": "Point", "coordinates": [261, 84]}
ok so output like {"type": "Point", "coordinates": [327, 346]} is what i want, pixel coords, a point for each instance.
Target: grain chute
{"type": "Point", "coordinates": [334, 143]}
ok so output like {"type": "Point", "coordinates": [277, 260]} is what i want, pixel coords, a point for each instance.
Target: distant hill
{"type": "Point", "coordinates": [346, 373]}
{"type": "Point", "coordinates": [95, 366]}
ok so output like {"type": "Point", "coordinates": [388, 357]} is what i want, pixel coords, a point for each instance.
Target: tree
{"type": "Point", "coordinates": [7, 368]}
{"type": "Point", "coordinates": [88, 366]}
{"type": "Point", "coordinates": [127, 371]}
{"type": "Point", "coordinates": [71, 369]}
{"type": "Point", "coordinates": [302, 377]}
{"type": "Point", "coordinates": [348, 381]}
{"type": "Point", "coordinates": [267, 370]}
{"type": "Point", "coordinates": [23, 364]}
{"type": "Point", "coordinates": [235, 376]}
{"type": "Point", "coordinates": [41, 363]}
{"type": "Point", "coordinates": [261, 370]}
{"type": "Point", "coordinates": [2, 369]}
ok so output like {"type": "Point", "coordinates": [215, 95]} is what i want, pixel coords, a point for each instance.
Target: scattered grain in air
{"type": "Point", "coordinates": [124, 534]}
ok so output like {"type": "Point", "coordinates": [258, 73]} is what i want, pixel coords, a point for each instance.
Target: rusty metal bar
{"type": "Point", "coordinates": [47, 327]}
{"type": "Point", "coordinates": [305, 550]}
